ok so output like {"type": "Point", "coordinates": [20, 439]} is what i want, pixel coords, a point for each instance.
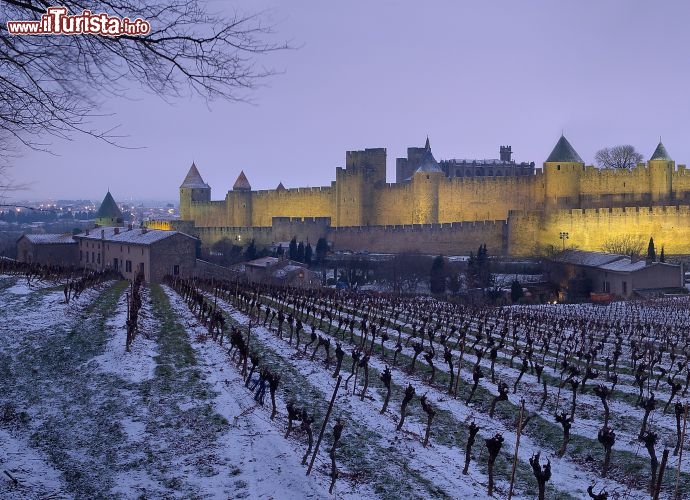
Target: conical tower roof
{"type": "Point", "coordinates": [428, 163]}
{"type": "Point", "coordinates": [564, 152]}
{"type": "Point", "coordinates": [109, 209]}
{"type": "Point", "coordinates": [193, 179]}
{"type": "Point", "coordinates": [242, 184]}
{"type": "Point", "coordinates": [280, 187]}
{"type": "Point", "coordinates": [660, 153]}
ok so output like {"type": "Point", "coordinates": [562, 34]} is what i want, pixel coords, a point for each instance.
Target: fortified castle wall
{"type": "Point", "coordinates": [432, 213]}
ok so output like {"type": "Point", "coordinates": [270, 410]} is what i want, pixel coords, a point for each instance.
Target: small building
{"type": "Point", "coordinates": [281, 271]}
{"type": "Point", "coordinates": [152, 252]}
{"type": "Point", "coordinates": [582, 274]}
{"type": "Point", "coordinates": [50, 249]}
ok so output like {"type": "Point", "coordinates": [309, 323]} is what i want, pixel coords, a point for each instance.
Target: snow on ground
{"type": "Point", "coordinates": [137, 365]}
{"type": "Point", "coordinates": [434, 460]}
{"type": "Point", "coordinates": [267, 463]}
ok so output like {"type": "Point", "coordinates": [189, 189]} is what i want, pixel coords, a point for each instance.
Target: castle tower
{"type": "Point", "coordinates": [109, 214]}
{"type": "Point", "coordinates": [425, 184]}
{"type": "Point", "coordinates": [239, 202]}
{"type": "Point", "coordinates": [661, 168]}
{"type": "Point", "coordinates": [562, 171]}
{"type": "Point", "coordinates": [364, 171]}
{"type": "Point", "coordinates": [193, 189]}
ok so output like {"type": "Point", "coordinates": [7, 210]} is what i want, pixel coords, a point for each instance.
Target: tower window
{"type": "Point", "coordinates": [558, 167]}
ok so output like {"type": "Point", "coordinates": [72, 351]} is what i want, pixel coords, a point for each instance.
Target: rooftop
{"type": "Point", "coordinates": [660, 153]}
{"type": "Point", "coordinates": [242, 183]}
{"type": "Point", "coordinates": [564, 152]}
{"type": "Point", "coordinates": [129, 236]}
{"type": "Point", "coordinates": [109, 209]}
{"type": "Point", "coordinates": [50, 239]}
{"type": "Point", "coordinates": [193, 179]}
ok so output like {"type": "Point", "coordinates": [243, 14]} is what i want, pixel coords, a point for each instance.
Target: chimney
{"type": "Point", "coordinates": [117, 230]}
{"type": "Point", "coordinates": [102, 234]}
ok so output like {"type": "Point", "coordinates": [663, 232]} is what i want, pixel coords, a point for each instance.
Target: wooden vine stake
{"type": "Point", "coordinates": [680, 452]}
{"type": "Point", "coordinates": [323, 426]}
{"type": "Point", "coordinates": [517, 446]}
{"type": "Point", "coordinates": [337, 431]}
{"type": "Point", "coordinates": [664, 458]}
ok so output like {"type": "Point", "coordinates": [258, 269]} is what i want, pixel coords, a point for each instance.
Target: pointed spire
{"type": "Point", "coordinates": [193, 179]}
{"type": "Point", "coordinates": [428, 163]}
{"type": "Point", "coordinates": [660, 153]}
{"type": "Point", "coordinates": [108, 213]}
{"type": "Point", "coordinates": [564, 152]}
{"type": "Point", "coordinates": [242, 184]}
{"type": "Point", "coordinates": [427, 145]}
{"type": "Point", "coordinates": [280, 187]}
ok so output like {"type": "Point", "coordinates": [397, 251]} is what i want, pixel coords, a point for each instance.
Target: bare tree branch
{"type": "Point", "coordinates": [52, 85]}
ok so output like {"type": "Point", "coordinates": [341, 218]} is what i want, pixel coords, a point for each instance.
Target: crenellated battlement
{"type": "Point", "coordinates": [432, 206]}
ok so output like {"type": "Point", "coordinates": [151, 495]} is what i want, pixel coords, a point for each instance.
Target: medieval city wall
{"type": "Point", "coordinates": [681, 183]}
{"type": "Point", "coordinates": [591, 229]}
{"type": "Point", "coordinates": [393, 204]}
{"type": "Point", "coordinates": [299, 202]}
{"type": "Point", "coordinates": [262, 236]}
{"type": "Point", "coordinates": [488, 198]}
{"type": "Point", "coordinates": [306, 229]}
{"type": "Point", "coordinates": [458, 238]}
{"type": "Point", "coordinates": [209, 213]}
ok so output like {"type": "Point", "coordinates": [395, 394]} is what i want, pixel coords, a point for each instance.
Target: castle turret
{"type": "Point", "coordinates": [109, 214]}
{"type": "Point", "coordinates": [239, 202]}
{"type": "Point", "coordinates": [425, 184]}
{"type": "Point", "coordinates": [193, 189]}
{"type": "Point", "coordinates": [661, 168]}
{"type": "Point", "coordinates": [364, 171]}
{"type": "Point", "coordinates": [562, 170]}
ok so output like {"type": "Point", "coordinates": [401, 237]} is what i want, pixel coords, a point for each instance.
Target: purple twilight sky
{"type": "Point", "coordinates": [470, 75]}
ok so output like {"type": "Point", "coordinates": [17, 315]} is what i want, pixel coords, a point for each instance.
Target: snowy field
{"type": "Point", "coordinates": [173, 418]}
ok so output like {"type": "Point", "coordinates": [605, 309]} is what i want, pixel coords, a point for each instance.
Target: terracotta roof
{"type": "Point", "coordinates": [564, 152]}
{"type": "Point", "coordinates": [193, 179]}
{"type": "Point", "coordinates": [242, 184]}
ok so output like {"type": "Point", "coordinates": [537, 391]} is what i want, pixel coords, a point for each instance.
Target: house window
{"type": "Point", "coordinates": [93, 256]}
{"type": "Point", "coordinates": [625, 288]}
{"type": "Point", "coordinates": [558, 167]}
{"type": "Point", "coordinates": [115, 264]}
{"type": "Point", "coordinates": [127, 249]}
{"type": "Point", "coordinates": [142, 251]}
{"type": "Point", "coordinates": [87, 257]}
{"type": "Point", "coordinates": [98, 257]}
{"type": "Point", "coordinates": [81, 255]}
{"type": "Point", "coordinates": [128, 266]}
{"type": "Point", "coordinates": [176, 270]}
{"type": "Point", "coordinates": [607, 286]}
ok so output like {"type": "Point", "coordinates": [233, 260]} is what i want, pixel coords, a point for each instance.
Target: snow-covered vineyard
{"type": "Point", "coordinates": [225, 390]}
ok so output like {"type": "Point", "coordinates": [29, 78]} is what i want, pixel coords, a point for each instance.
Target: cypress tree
{"type": "Point", "coordinates": [651, 252]}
